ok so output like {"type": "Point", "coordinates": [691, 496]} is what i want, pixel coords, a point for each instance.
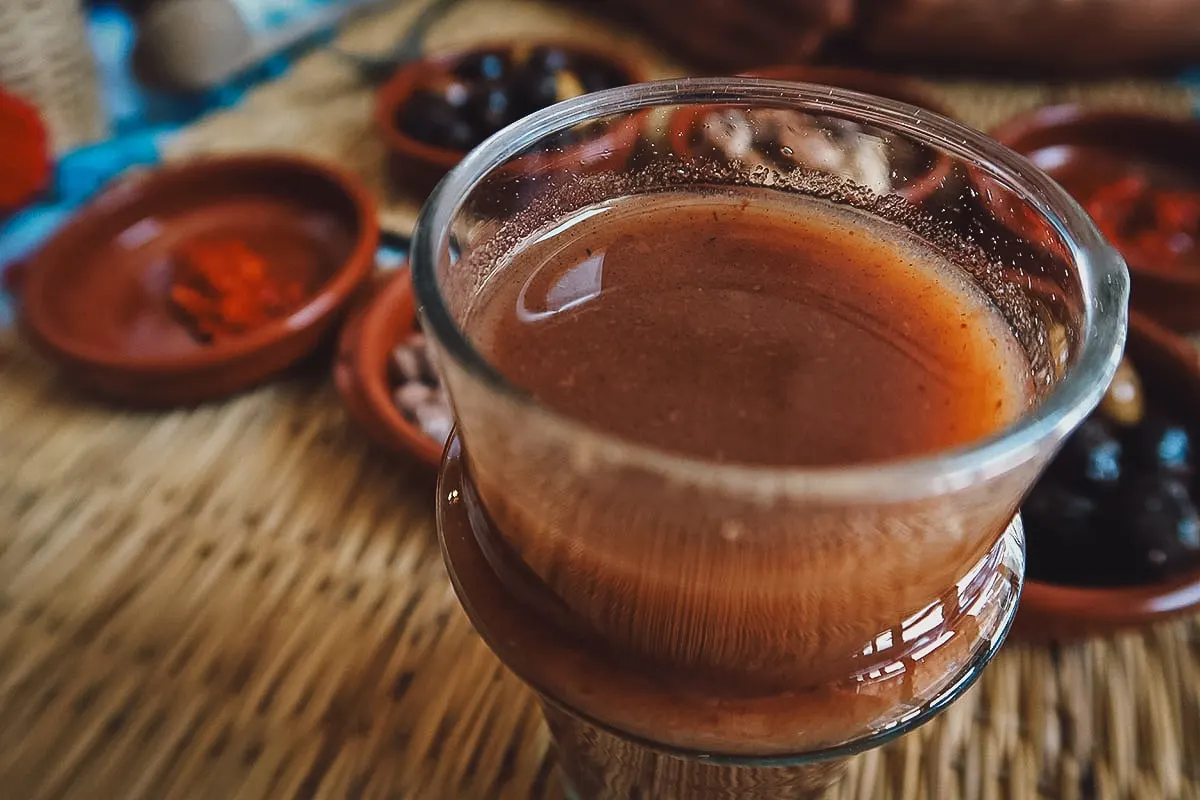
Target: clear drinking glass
{"type": "Point", "coordinates": [704, 630]}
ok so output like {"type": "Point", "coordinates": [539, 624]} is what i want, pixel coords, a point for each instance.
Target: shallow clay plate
{"type": "Point", "coordinates": [95, 299]}
{"type": "Point", "coordinates": [1084, 149]}
{"type": "Point", "coordinates": [1170, 371]}
{"type": "Point", "coordinates": [361, 369]}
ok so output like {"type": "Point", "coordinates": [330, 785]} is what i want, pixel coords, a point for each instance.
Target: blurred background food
{"type": "Point", "coordinates": [1046, 37]}
{"type": "Point", "coordinates": [242, 597]}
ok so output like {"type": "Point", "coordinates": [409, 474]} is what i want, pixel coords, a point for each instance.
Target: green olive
{"type": "Point", "coordinates": [1124, 403]}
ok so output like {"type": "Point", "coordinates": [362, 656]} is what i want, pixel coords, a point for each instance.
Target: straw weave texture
{"type": "Point", "coordinates": [246, 600]}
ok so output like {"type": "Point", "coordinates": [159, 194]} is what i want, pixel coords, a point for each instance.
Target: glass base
{"type": "Point", "coordinates": [908, 674]}
{"type": "Point", "coordinates": [599, 765]}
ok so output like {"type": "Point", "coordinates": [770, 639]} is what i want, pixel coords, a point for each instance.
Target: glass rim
{"type": "Point", "coordinates": [1102, 275]}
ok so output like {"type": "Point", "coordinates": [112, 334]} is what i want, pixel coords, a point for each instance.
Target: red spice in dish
{"type": "Point", "coordinates": [224, 288]}
{"type": "Point", "coordinates": [1158, 226]}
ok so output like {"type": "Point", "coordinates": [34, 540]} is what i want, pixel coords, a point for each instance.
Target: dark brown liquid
{"type": "Point", "coordinates": [746, 328]}
{"type": "Point", "coordinates": [753, 333]}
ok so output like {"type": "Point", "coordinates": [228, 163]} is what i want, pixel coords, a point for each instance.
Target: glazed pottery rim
{"type": "Point", "coordinates": [36, 293]}
{"type": "Point", "coordinates": [1065, 116]}
{"type": "Point", "coordinates": [398, 90]}
{"type": "Point", "coordinates": [1112, 607]}
{"type": "Point", "coordinates": [1102, 276]}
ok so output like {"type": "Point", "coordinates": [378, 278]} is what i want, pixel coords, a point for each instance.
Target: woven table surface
{"type": "Point", "coordinates": [246, 600]}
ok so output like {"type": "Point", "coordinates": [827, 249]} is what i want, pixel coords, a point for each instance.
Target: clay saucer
{"type": "Point", "coordinates": [361, 369]}
{"type": "Point", "coordinates": [1170, 371]}
{"type": "Point", "coordinates": [929, 178]}
{"type": "Point", "coordinates": [1084, 149]}
{"type": "Point", "coordinates": [415, 166]}
{"type": "Point", "coordinates": [95, 298]}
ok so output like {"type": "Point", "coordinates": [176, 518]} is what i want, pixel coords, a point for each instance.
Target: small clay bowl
{"type": "Point", "coordinates": [361, 369]}
{"type": "Point", "coordinates": [415, 166]}
{"type": "Point", "coordinates": [95, 298]}
{"type": "Point", "coordinates": [934, 177]}
{"type": "Point", "coordinates": [1170, 371]}
{"type": "Point", "coordinates": [1083, 149]}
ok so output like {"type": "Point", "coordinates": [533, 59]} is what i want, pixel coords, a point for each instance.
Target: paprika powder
{"type": "Point", "coordinates": [224, 288]}
{"type": "Point", "coordinates": [1156, 226]}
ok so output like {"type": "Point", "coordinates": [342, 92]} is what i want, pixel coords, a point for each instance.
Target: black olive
{"type": "Point", "coordinates": [533, 89]}
{"type": "Point", "coordinates": [1092, 457]}
{"type": "Point", "coordinates": [1063, 536]}
{"type": "Point", "coordinates": [490, 108]}
{"type": "Point", "coordinates": [1160, 527]}
{"type": "Point", "coordinates": [596, 77]}
{"type": "Point", "coordinates": [548, 60]}
{"type": "Point", "coordinates": [457, 93]}
{"type": "Point", "coordinates": [429, 117]}
{"type": "Point", "coordinates": [485, 66]}
{"type": "Point", "coordinates": [1159, 445]}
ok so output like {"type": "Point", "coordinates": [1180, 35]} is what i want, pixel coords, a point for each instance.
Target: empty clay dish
{"type": "Point", "coordinates": [95, 299]}
{"type": "Point", "coordinates": [415, 165]}
{"type": "Point", "coordinates": [1170, 372]}
{"type": "Point", "coordinates": [932, 171]}
{"type": "Point", "coordinates": [1086, 149]}
{"type": "Point", "coordinates": [362, 368]}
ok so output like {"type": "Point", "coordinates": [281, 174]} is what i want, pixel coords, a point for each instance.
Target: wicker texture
{"type": "Point", "coordinates": [45, 57]}
{"type": "Point", "coordinates": [246, 600]}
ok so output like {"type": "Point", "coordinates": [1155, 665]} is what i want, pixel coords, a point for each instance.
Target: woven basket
{"type": "Point", "coordinates": [45, 58]}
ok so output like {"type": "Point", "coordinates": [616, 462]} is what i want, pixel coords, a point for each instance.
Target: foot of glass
{"type": "Point", "coordinates": [598, 765]}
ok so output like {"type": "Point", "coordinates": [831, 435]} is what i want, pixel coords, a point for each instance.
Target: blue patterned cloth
{"type": "Point", "coordinates": [143, 122]}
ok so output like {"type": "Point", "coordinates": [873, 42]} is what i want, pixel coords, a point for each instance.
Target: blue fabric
{"type": "Point", "coordinates": [1191, 78]}
{"type": "Point", "coordinates": [142, 121]}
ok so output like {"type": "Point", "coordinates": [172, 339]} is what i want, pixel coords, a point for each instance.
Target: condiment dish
{"type": "Point", "coordinates": [933, 176]}
{"type": "Point", "coordinates": [95, 299]}
{"type": "Point", "coordinates": [1170, 372]}
{"type": "Point", "coordinates": [1085, 149]}
{"type": "Point", "coordinates": [415, 166]}
{"type": "Point", "coordinates": [361, 368]}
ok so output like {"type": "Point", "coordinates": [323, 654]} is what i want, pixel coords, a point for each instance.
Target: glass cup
{"type": "Point", "coordinates": [707, 630]}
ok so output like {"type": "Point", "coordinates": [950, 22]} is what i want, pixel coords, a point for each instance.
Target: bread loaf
{"type": "Point", "coordinates": [1046, 36]}
{"type": "Point", "coordinates": [1061, 36]}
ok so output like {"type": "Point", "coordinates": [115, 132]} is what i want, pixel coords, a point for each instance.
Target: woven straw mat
{"type": "Point", "coordinates": [246, 600]}
{"type": "Point", "coordinates": [45, 58]}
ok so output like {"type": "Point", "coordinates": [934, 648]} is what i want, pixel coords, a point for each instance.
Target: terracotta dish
{"type": "Point", "coordinates": [1084, 150]}
{"type": "Point", "coordinates": [1170, 370]}
{"type": "Point", "coordinates": [415, 166]}
{"type": "Point", "coordinates": [932, 176]}
{"type": "Point", "coordinates": [361, 369]}
{"type": "Point", "coordinates": [95, 299]}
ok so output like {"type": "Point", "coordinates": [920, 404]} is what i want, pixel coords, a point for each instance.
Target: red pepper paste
{"type": "Point", "coordinates": [1156, 226]}
{"type": "Point", "coordinates": [224, 288]}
